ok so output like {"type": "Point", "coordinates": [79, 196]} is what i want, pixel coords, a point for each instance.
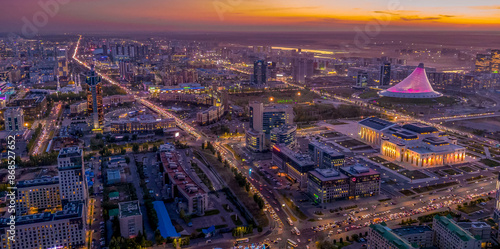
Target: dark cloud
{"type": "Point", "coordinates": [429, 18]}
{"type": "Point", "coordinates": [386, 12]}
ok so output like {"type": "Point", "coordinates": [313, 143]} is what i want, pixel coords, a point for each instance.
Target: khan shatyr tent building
{"type": "Point", "coordinates": [415, 86]}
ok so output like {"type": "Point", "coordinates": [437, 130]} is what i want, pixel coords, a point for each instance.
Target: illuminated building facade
{"type": "Point", "coordinates": [94, 100]}
{"type": "Point", "coordinates": [265, 118]}
{"type": "Point", "coordinates": [285, 135]}
{"type": "Point", "coordinates": [327, 185]}
{"type": "Point", "coordinates": [141, 124]}
{"type": "Point", "coordinates": [62, 229]}
{"type": "Point", "coordinates": [37, 195]}
{"type": "Point", "coordinates": [324, 156]}
{"type": "Point", "coordinates": [417, 144]}
{"type": "Point", "coordinates": [483, 63]}
{"type": "Point", "coordinates": [363, 181]}
{"type": "Point", "coordinates": [372, 129]}
{"type": "Point", "coordinates": [211, 115]}
{"type": "Point", "coordinates": [73, 185]}
{"type": "Point", "coordinates": [295, 165]}
{"type": "Point", "coordinates": [255, 141]}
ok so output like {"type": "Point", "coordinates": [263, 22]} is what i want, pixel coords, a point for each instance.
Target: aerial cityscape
{"type": "Point", "coordinates": [231, 124]}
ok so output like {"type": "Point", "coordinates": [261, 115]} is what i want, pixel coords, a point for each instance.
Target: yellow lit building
{"type": "Point", "coordinates": [417, 144]}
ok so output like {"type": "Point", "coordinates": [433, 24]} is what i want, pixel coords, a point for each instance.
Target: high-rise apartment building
{"type": "Point", "coordinates": [496, 212]}
{"type": "Point", "coordinates": [483, 62]}
{"type": "Point", "coordinates": [385, 74]}
{"type": "Point", "coordinates": [265, 118]}
{"type": "Point", "coordinates": [63, 229]}
{"type": "Point", "coordinates": [382, 237]}
{"type": "Point", "coordinates": [94, 100]}
{"type": "Point", "coordinates": [130, 219]}
{"type": "Point", "coordinates": [38, 195]}
{"type": "Point", "coordinates": [495, 61]}
{"type": "Point", "coordinates": [14, 119]}
{"type": "Point", "coordinates": [259, 76]}
{"type": "Point", "coordinates": [73, 185]}
{"type": "Point", "coordinates": [448, 234]}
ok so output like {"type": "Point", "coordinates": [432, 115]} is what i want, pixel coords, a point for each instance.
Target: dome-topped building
{"type": "Point", "coordinates": [415, 86]}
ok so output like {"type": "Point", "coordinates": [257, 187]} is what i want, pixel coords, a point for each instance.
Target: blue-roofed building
{"type": "Point", "coordinates": [165, 225]}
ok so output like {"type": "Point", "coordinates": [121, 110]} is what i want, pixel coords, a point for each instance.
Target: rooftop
{"type": "Point", "coordinates": [70, 210]}
{"type": "Point", "coordinates": [420, 128]}
{"type": "Point", "coordinates": [358, 170]}
{"type": "Point", "coordinates": [38, 182]}
{"type": "Point", "coordinates": [376, 123]}
{"type": "Point", "coordinates": [130, 208]}
{"type": "Point", "coordinates": [327, 174]}
{"type": "Point", "coordinates": [411, 230]}
{"type": "Point", "coordinates": [70, 152]}
{"type": "Point", "coordinates": [391, 236]}
{"type": "Point", "coordinates": [172, 166]}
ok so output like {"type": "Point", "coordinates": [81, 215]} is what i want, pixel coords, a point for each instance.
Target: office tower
{"type": "Point", "coordinates": [385, 74]}
{"type": "Point", "coordinates": [265, 118]}
{"type": "Point", "coordinates": [125, 70]}
{"type": "Point", "coordinates": [324, 156]}
{"type": "Point", "coordinates": [104, 49]}
{"type": "Point", "coordinates": [73, 185]}
{"type": "Point", "coordinates": [62, 229]}
{"type": "Point", "coordinates": [483, 62]}
{"type": "Point", "coordinates": [302, 68]}
{"type": "Point", "coordinates": [94, 100]}
{"type": "Point", "coordinates": [130, 219]}
{"type": "Point", "coordinates": [495, 61]}
{"type": "Point", "coordinates": [362, 79]}
{"type": "Point", "coordinates": [14, 119]}
{"type": "Point", "coordinates": [256, 110]}
{"type": "Point", "coordinates": [259, 76]}
{"type": "Point", "coordinates": [284, 135]}
{"type": "Point", "coordinates": [496, 213]}
{"type": "Point", "coordinates": [448, 234]}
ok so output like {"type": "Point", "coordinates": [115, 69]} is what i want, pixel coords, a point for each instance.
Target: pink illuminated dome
{"type": "Point", "coordinates": [415, 86]}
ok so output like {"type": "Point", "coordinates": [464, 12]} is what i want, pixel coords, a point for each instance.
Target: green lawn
{"type": "Point", "coordinates": [433, 187]}
{"type": "Point", "coordinates": [413, 174]}
{"type": "Point", "coordinates": [450, 172]}
{"type": "Point", "coordinates": [489, 162]}
{"type": "Point", "coordinates": [469, 209]}
{"type": "Point", "coordinates": [467, 169]}
{"type": "Point", "coordinates": [392, 166]}
{"type": "Point", "coordinates": [407, 192]}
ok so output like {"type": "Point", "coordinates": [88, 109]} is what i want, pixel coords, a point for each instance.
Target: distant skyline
{"type": "Point", "coordinates": [243, 15]}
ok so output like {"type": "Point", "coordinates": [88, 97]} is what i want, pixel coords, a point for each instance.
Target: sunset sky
{"type": "Point", "coordinates": [246, 15]}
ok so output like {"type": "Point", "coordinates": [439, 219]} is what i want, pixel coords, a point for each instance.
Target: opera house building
{"type": "Point", "coordinates": [415, 143]}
